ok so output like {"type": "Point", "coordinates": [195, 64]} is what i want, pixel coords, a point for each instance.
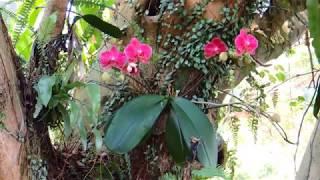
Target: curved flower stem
{"type": "Point", "coordinates": [139, 82]}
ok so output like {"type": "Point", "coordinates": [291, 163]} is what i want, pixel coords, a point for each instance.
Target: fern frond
{"type": "Point", "coordinates": [22, 19]}
{"type": "Point", "coordinates": [235, 127]}
{"type": "Point", "coordinates": [253, 124]}
{"type": "Point", "coordinates": [275, 98]}
{"type": "Point", "coordinates": [8, 12]}
{"type": "Point", "coordinates": [94, 3]}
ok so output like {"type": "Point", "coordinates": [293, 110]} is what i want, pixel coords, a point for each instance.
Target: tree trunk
{"type": "Point", "coordinates": [310, 165]}
{"type": "Point", "coordinates": [12, 149]}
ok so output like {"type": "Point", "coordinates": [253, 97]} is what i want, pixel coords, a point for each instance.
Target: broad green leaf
{"type": "Point", "coordinates": [174, 139]}
{"type": "Point", "coordinates": [76, 120]}
{"type": "Point", "coordinates": [70, 86]}
{"type": "Point", "coordinates": [44, 88]}
{"type": "Point", "coordinates": [67, 74]}
{"type": "Point", "coordinates": [194, 123]}
{"type": "Point", "coordinates": [313, 7]}
{"type": "Point", "coordinates": [82, 132]}
{"type": "Point", "coordinates": [94, 95]}
{"type": "Point", "coordinates": [95, 100]}
{"type": "Point", "coordinates": [316, 106]}
{"type": "Point", "coordinates": [24, 44]}
{"type": "Point", "coordinates": [98, 138]}
{"type": "Point", "coordinates": [67, 129]}
{"type": "Point", "coordinates": [209, 172]}
{"type": "Point", "coordinates": [47, 27]}
{"type": "Point", "coordinates": [103, 26]}
{"type": "Point", "coordinates": [58, 99]}
{"type": "Point", "coordinates": [34, 14]}
{"type": "Point", "coordinates": [74, 113]}
{"type": "Point", "coordinates": [281, 76]}
{"type": "Point", "coordinates": [132, 122]}
{"type": "Point", "coordinates": [38, 108]}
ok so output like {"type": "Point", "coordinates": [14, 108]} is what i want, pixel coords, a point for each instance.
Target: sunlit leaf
{"type": "Point", "coordinates": [103, 26]}
{"type": "Point", "coordinates": [98, 138]}
{"type": "Point", "coordinates": [281, 76]}
{"type": "Point", "coordinates": [47, 28]}
{"type": "Point", "coordinates": [44, 88]}
{"type": "Point", "coordinates": [38, 108]}
{"type": "Point", "coordinates": [210, 172]}
{"type": "Point", "coordinates": [313, 7]}
{"type": "Point", "coordinates": [74, 113]}
{"type": "Point", "coordinates": [24, 44]}
{"type": "Point", "coordinates": [316, 106]}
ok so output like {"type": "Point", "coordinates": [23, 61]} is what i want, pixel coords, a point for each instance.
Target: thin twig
{"type": "Point", "coordinates": [94, 163]}
{"type": "Point", "coordinates": [252, 109]}
{"type": "Point", "coordinates": [310, 57]}
{"type": "Point", "coordinates": [293, 77]}
{"type": "Point", "coordinates": [215, 105]}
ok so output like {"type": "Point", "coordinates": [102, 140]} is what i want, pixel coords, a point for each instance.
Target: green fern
{"type": "Point", "coordinates": [253, 124]}
{"type": "Point", "coordinates": [94, 3]}
{"type": "Point", "coordinates": [22, 19]}
{"type": "Point", "coordinates": [275, 98]}
{"type": "Point", "coordinates": [235, 126]}
{"type": "Point", "coordinates": [8, 12]}
{"type": "Point", "coordinates": [231, 162]}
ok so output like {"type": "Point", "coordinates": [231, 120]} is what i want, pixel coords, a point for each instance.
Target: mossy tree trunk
{"type": "Point", "coordinates": [12, 114]}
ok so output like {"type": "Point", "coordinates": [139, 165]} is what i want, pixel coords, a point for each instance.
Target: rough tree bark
{"type": "Point", "coordinates": [14, 141]}
{"type": "Point", "coordinates": [12, 151]}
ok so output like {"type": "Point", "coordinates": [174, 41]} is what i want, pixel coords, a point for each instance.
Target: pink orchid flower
{"type": "Point", "coordinates": [214, 47]}
{"type": "Point", "coordinates": [132, 69]}
{"type": "Point", "coordinates": [246, 43]}
{"type": "Point", "coordinates": [137, 51]}
{"type": "Point", "coordinates": [112, 58]}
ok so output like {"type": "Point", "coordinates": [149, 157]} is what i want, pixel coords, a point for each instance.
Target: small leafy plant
{"type": "Point", "coordinates": [135, 119]}
{"type": "Point", "coordinates": [189, 133]}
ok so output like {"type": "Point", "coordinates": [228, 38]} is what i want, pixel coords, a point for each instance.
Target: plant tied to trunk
{"type": "Point", "coordinates": [186, 122]}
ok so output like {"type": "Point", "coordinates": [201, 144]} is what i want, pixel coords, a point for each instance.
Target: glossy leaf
{"type": "Point", "coordinates": [281, 76]}
{"type": "Point", "coordinates": [82, 132]}
{"type": "Point", "coordinates": [38, 108]}
{"type": "Point", "coordinates": [132, 122]}
{"type": "Point", "coordinates": [313, 7]}
{"type": "Point", "coordinates": [194, 123]}
{"type": "Point", "coordinates": [94, 95]}
{"type": "Point", "coordinates": [68, 73]}
{"type": "Point", "coordinates": [174, 139]}
{"type": "Point", "coordinates": [47, 28]}
{"type": "Point", "coordinates": [209, 172]}
{"type": "Point", "coordinates": [74, 113]}
{"type": "Point", "coordinates": [103, 26]}
{"type": "Point", "coordinates": [67, 129]}
{"type": "Point", "coordinates": [316, 106]}
{"type": "Point", "coordinates": [44, 88]}
{"type": "Point", "coordinates": [24, 44]}
{"type": "Point", "coordinates": [98, 138]}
